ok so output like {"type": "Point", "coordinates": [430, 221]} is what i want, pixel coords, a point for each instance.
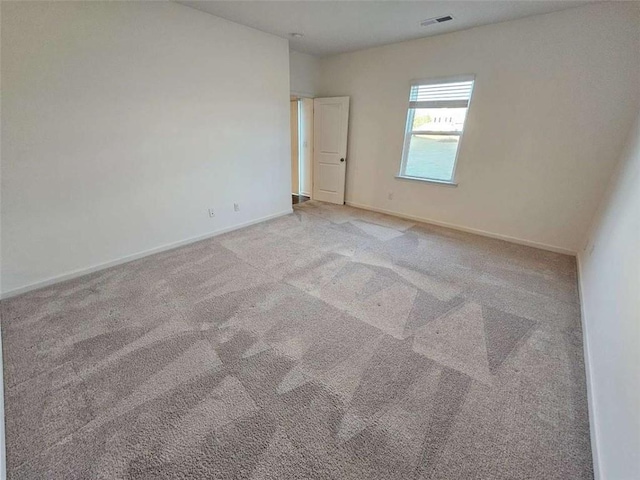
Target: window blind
{"type": "Point", "coordinates": [441, 95]}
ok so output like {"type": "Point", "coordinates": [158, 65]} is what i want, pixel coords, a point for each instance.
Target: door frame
{"type": "Point", "coordinates": [297, 143]}
{"type": "Point", "coordinates": [301, 96]}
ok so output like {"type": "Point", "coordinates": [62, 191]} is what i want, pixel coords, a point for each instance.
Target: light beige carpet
{"type": "Point", "coordinates": [332, 343]}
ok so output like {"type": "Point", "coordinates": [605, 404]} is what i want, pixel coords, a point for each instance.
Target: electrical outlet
{"type": "Point", "coordinates": [236, 207]}
{"type": "Point", "coordinates": [212, 213]}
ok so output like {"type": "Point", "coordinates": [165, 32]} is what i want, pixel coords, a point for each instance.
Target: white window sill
{"type": "Point", "coordinates": [427, 180]}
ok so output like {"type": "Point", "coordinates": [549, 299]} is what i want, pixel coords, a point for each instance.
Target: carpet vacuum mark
{"type": "Point", "coordinates": [332, 343]}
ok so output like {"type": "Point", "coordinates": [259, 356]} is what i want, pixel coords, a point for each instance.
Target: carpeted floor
{"type": "Point", "coordinates": [332, 343]}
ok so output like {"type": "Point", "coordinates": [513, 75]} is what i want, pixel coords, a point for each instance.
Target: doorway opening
{"type": "Point", "coordinates": [301, 149]}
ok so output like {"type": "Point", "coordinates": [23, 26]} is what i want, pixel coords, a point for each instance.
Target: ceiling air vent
{"type": "Point", "coordinates": [431, 21]}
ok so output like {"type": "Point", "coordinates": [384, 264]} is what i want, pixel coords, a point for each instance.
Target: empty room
{"type": "Point", "coordinates": [320, 240]}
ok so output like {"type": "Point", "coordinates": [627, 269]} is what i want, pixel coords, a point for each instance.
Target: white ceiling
{"type": "Point", "coordinates": [332, 27]}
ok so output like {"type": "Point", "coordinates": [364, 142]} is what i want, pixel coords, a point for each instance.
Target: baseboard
{"type": "Point", "coordinates": [585, 330]}
{"type": "Point", "coordinates": [135, 256]}
{"type": "Point", "coordinates": [498, 236]}
{"type": "Point", "coordinates": [587, 366]}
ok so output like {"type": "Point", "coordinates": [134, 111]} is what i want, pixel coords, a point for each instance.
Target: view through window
{"type": "Point", "coordinates": [435, 122]}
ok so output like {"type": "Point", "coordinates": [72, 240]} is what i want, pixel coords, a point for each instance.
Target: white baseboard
{"type": "Point", "coordinates": [587, 365]}
{"type": "Point", "coordinates": [585, 331]}
{"type": "Point", "coordinates": [94, 268]}
{"type": "Point", "coordinates": [498, 236]}
{"type": "Point", "coordinates": [135, 256]}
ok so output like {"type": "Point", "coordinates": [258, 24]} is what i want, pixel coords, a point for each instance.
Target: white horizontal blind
{"type": "Point", "coordinates": [453, 94]}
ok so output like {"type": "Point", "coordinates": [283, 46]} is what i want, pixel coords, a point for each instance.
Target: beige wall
{"type": "Point", "coordinates": [554, 97]}
{"type": "Point", "coordinates": [610, 290]}
{"type": "Point", "coordinates": [124, 122]}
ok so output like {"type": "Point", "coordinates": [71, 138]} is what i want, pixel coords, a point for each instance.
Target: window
{"type": "Point", "coordinates": [435, 122]}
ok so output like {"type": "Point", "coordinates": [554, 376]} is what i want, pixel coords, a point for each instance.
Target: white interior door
{"type": "Point", "coordinates": [330, 123]}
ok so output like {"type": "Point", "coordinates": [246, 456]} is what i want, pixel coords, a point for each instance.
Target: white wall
{"type": "Point", "coordinates": [305, 82]}
{"type": "Point", "coordinates": [610, 289]}
{"type": "Point", "coordinates": [554, 96]}
{"type": "Point", "coordinates": [123, 122]}
{"type": "Point", "coordinates": [305, 74]}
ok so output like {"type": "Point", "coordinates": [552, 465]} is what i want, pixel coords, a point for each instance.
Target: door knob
{"type": "Point", "coordinates": [342, 159]}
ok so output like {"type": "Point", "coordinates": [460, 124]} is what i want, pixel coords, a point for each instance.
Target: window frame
{"type": "Point", "coordinates": [408, 132]}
